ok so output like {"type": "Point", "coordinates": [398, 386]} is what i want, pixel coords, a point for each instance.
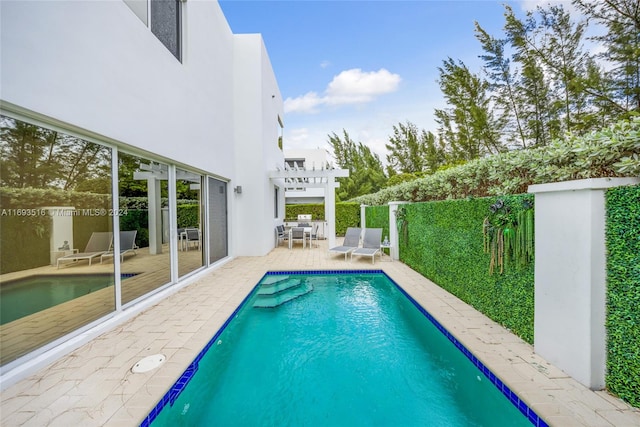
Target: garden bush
{"type": "Point", "coordinates": [611, 152]}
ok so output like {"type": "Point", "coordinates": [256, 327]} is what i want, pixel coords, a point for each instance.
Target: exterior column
{"type": "Point", "coordinates": [61, 238]}
{"type": "Point", "coordinates": [330, 210]}
{"type": "Point", "coordinates": [570, 276]}
{"type": "Point", "coordinates": [155, 216]}
{"type": "Point", "coordinates": [394, 251]}
{"type": "Point", "coordinates": [363, 216]}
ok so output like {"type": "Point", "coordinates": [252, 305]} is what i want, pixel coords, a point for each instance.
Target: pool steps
{"type": "Point", "coordinates": [277, 290]}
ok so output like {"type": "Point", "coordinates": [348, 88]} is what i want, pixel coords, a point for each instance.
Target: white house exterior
{"type": "Point", "coordinates": [309, 160]}
{"type": "Point", "coordinates": [203, 114]}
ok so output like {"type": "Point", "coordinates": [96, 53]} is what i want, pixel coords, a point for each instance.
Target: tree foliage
{"type": "Point", "coordinates": [619, 89]}
{"type": "Point", "coordinates": [468, 125]}
{"type": "Point", "coordinates": [366, 173]}
{"type": "Point", "coordinates": [611, 152]}
{"type": "Point", "coordinates": [35, 157]}
{"type": "Point", "coordinates": [413, 151]}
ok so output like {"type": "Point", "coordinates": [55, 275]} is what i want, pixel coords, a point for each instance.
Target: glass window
{"type": "Point", "coordinates": [56, 229]}
{"type": "Point", "coordinates": [144, 225]}
{"type": "Point", "coordinates": [275, 202]}
{"type": "Point", "coordinates": [218, 241]}
{"type": "Point", "coordinates": [165, 24]}
{"type": "Point", "coordinates": [189, 215]}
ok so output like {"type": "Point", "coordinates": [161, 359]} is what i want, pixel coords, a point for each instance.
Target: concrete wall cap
{"type": "Point", "coordinates": [583, 184]}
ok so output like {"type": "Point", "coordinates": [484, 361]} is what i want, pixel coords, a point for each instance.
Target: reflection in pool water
{"type": "Point", "coordinates": [22, 297]}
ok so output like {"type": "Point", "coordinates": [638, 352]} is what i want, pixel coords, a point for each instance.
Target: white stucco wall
{"type": "Point", "coordinates": [570, 276]}
{"type": "Point", "coordinates": [257, 148]}
{"type": "Point", "coordinates": [93, 67]}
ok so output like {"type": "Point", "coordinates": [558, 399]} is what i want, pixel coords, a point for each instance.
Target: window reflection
{"type": "Point", "coordinates": [56, 225]}
{"type": "Point", "coordinates": [189, 215]}
{"type": "Point", "coordinates": [144, 225]}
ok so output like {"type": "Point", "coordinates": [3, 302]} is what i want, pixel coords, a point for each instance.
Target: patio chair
{"type": "Point", "coordinates": [296, 235]}
{"type": "Point", "coordinates": [314, 236]}
{"type": "Point", "coordinates": [99, 243]}
{"type": "Point", "coordinates": [192, 237]}
{"type": "Point", "coordinates": [370, 243]}
{"type": "Point", "coordinates": [281, 234]}
{"type": "Point", "coordinates": [350, 243]}
{"type": "Point", "coordinates": [127, 245]}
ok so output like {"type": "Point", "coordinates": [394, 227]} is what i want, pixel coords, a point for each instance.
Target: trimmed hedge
{"type": "Point", "coordinates": [623, 293]}
{"type": "Point", "coordinates": [188, 216]}
{"type": "Point", "coordinates": [613, 151]}
{"type": "Point", "coordinates": [347, 214]}
{"type": "Point", "coordinates": [315, 209]}
{"type": "Point", "coordinates": [378, 217]}
{"type": "Point", "coordinates": [444, 242]}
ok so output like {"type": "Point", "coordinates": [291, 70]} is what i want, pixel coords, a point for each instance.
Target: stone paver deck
{"type": "Point", "coordinates": [94, 385]}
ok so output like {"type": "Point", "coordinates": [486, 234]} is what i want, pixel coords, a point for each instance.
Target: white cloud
{"type": "Point", "coordinates": [325, 64]}
{"type": "Point", "coordinates": [355, 86]}
{"type": "Point", "coordinates": [352, 86]}
{"type": "Point", "coordinates": [306, 103]}
{"type": "Point", "coordinates": [299, 135]}
{"type": "Point", "coordinates": [531, 5]}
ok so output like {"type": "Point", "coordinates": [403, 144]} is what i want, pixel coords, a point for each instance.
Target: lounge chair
{"type": "Point", "coordinates": [350, 243]}
{"type": "Point", "coordinates": [127, 245]}
{"type": "Point", "coordinates": [99, 243]}
{"type": "Point", "coordinates": [370, 243]}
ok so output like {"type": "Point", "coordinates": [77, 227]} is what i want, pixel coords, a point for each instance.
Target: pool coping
{"type": "Point", "coordinates": [178, 387]}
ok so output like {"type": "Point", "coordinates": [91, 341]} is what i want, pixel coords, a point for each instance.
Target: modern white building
{"type": "Point", "coordinates": [104, 102]}
{"type": "Point", "coordinates": [305, 159]}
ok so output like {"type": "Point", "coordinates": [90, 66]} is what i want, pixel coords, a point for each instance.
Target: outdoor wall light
{"type": "Point", "coordinates": [237, 189]}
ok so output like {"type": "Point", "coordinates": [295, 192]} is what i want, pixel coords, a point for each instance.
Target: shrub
{"type": "Point", "coordinates": [611, 152]}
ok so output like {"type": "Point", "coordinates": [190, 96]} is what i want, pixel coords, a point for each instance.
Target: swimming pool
{"type": "Point", "coordinates": [351, 349]}
{"type": "Point", "coordinates": [28, 295]}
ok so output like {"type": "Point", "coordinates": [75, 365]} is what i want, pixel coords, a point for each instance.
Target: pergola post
{"type": "Point", "coordinates": [330, 210]}
{"type": "Point", "coordinates": [326, 178]}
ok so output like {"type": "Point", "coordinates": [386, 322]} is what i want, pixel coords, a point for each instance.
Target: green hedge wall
{"type": "Point", "coordinates": [378, 217]}
{"type": "Point", "coordinates": [623, 293]}
{"type": "Point", "coordinates": [188, 216]}
{"type": "Point", "coordinates": [444, 242]}
{"type": "Point", "coordinates": [347, 214]}
{"type": "Point", "coordinates": [315, 209]}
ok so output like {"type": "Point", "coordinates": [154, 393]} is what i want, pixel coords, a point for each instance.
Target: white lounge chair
{"type": "Point", "coordinates": [99, 243]}
{"type": "Point", "coordinates": [350, 243]}
{"type": "Point", "coordinates": [370, 243]}
{"type": "Point", "coordinates": [127, 245]}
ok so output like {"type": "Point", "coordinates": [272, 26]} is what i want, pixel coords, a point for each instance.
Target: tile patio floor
{"type": "Point", "coordinates": [94, 385]}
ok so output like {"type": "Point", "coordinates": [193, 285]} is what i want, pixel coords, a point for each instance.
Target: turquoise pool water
{"type": "Point", "coordinates": [350, 350]}
{"type": "Point", "coordinates": [22, 297]}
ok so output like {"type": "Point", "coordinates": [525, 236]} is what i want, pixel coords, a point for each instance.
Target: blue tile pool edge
{"type": "Point", "coordinates": [515, 400]}
{"type": "Point", "coordinates": [177, 388]}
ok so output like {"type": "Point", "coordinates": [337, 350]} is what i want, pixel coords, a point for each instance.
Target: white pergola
{"type": "Point", "coordinates": [300, 177]}
{"type": "Point", "coordinates": [154, 174]}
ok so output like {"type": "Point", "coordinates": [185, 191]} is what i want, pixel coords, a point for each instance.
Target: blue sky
{"type": "Point", "coordinates": [364, 66]}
